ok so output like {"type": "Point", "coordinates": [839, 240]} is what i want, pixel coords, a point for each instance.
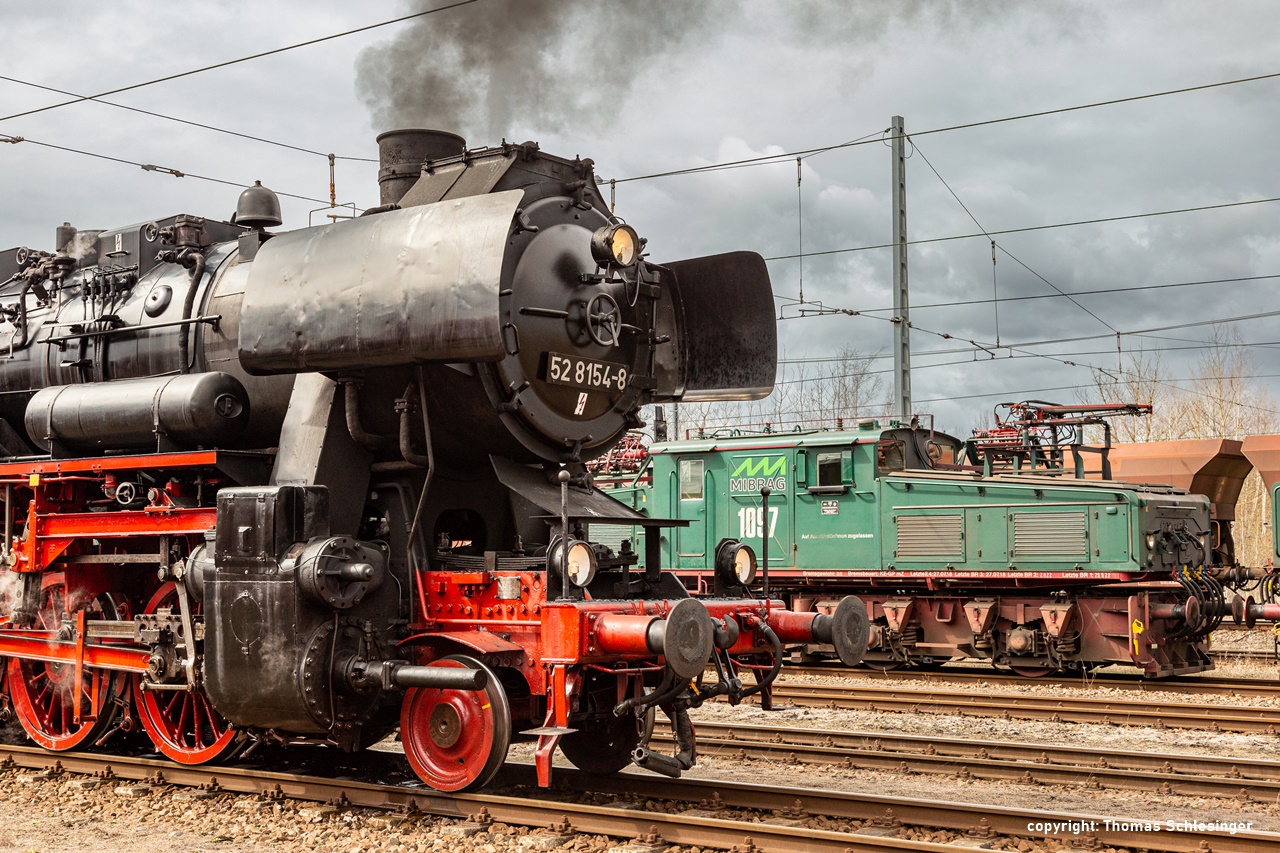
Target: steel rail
{"type": "Point", "coordinates": [477, 808]}
{"type": "Point", "coordinates": [1211, 685]}
{"type": "Point", "coordinates": [1164, 773]}
{"type": "Point", "coordinates": [1267, 655]}
{"type": "Point", "coordinates": [1127, 712]}
{"type": "Point", "coordinates": [967, 819]}
{"type": "Point", "coordinates": [974, 820]}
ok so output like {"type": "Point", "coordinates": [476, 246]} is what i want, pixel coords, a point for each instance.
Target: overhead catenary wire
{"type": "Point", "coordinates": [994, 246]}
{"type": "Point", "coordinates": [762, 160]}
{"type": "Point", "coordinates": [1031, 228]}
{"type": "Point", "coordinates": [979, 346]}
{"type": "Point", "coordinates": [967, 362]}
{"type": "Point", "coordinates": [1259, 315]}
{"type": "Point", "coordinates": [805, 152]}
{"type": "Point", "coordinates": [820, 309]}
{"type": "Point", "coordinates": [1169, 383]}
{"type": "Point", "coordinates": [147, 167]}
{"type": "Point", "coordinates": [989, 348]}
{"type": "Point", "coordinates": [994, 301]}
{"type": "Point", "coordinates": [179, 75]}
{"type": "Point", "coordinates": [766, 160]}
{"type": "Point", "coordinates": [1095, 292]}
{"type": "Point", "coordinates": [179, 173]}
{"type": "Point", "coordinates": [1024, 393]}
{"type": "Point", "coordinates": [188, 122]}
{"type": "Point", "coordinates": [878, 356]}
{"type": "Point", "coordinates": [799, 155]}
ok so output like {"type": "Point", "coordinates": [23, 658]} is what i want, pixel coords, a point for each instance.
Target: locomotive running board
{"type": "Point", "coordinates": [246, 467]}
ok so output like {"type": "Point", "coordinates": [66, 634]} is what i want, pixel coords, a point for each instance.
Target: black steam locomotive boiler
{"type": "Point", "coordinates": [312, 485]}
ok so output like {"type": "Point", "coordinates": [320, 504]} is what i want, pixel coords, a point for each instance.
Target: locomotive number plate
{"type": "Point", "coordinates": [578, 372]}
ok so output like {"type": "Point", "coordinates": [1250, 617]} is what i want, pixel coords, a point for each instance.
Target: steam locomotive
{"type": "Point", "coordinates": [309, 486]}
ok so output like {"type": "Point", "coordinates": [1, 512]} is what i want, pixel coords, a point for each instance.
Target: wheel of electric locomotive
{"type": "Point", "coordinates": [456, 740]}
{"type": "Point", "coordinates": [882, 665]}
{"type": "Point", "coordinates": [1031, 671]}
{"type": "Point", "coordinates": [182, 724]}
{"type": "Point", "coordinates": [45, 695]}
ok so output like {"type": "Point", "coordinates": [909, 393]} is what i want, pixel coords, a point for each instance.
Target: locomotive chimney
{"type": "Point", "coordinates": [63, 236]}
{"type": "Point", "coordinates": [401, 154]}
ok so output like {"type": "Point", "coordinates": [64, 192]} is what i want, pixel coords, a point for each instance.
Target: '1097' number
{"type": "Point", "coordinates": [751, 520]}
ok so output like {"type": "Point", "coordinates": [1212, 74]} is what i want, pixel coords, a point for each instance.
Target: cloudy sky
{"type": "Point", "coordinates": [663, 85]}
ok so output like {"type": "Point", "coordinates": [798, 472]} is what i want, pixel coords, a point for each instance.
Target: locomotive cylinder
{"type": "Point", "coordinates": [193, 409]}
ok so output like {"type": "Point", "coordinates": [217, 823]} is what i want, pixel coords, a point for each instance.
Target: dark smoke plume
{"type": "Point", "coordinates": [543, 65]}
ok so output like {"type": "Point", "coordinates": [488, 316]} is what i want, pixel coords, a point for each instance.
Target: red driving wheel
{"type": "Point", "coordinates": [46, 696]}
{"type": "Point", "coordinates": [456, 740]}
{"type": "Point", "coordinates": [182, 724]}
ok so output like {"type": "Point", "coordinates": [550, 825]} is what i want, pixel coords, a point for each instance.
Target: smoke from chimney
{"type": "Point", "coordinates": [481, 70]}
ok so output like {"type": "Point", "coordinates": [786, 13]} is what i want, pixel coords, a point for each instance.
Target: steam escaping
{"type": "Point", "coordinates": [483, 69]}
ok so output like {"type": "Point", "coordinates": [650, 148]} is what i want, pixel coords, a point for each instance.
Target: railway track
{"type": "Point", "coordinates": [1195, 685]}
{"type": "Point", "coordinates": [1170, 774]}
{"type": "Point", "coordinates": [695, 825]}
{"type": "Point", "coordinates": [1263, 655]}
{"type": "Point", "coordinates": [938, 700]}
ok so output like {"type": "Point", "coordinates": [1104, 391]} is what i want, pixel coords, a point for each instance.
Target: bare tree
{"type": "Point", "coordinates": [845, 389]}
{"type": "Point", "coordinates": [1143, 380]}
{"type": "Point", "coordinates": [1221, 399]}
{"type": "Point", "coordinates": [808, 395]}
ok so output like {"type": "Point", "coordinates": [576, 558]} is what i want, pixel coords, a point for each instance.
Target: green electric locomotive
{"type": "Point", "coordinates": [1035, 569]}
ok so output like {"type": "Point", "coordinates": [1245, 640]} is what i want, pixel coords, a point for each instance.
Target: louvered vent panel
{"type": "Point", "coordinates": [931, 535]}
{"type": "Point", "coordinates": [613, 534]}
{"type": "Point", "coordinates": [1060, 534]}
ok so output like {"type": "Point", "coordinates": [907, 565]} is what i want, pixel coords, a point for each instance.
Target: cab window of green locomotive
{"type": "Point", "coordinates": [834, 470]}
{"type": "Point", "coordinates": [890, 455]}
{"type": "Point", "coordinates": [940, 453]}
{"type": "Point", "coordinates": [829, 469]}
{"type": "Point", "coordinates": [690, 479]}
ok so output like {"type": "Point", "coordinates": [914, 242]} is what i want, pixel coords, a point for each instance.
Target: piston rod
{"type": "Point", "coordinates": [364, 676]}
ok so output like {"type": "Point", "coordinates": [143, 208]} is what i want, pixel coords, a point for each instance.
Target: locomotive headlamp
{"type": "Point", "coordinates": [580, 563]}
{"type": "Point", "coordinates": [736, 562]}
{"type": "Point", "coordinates": [616, 245]}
